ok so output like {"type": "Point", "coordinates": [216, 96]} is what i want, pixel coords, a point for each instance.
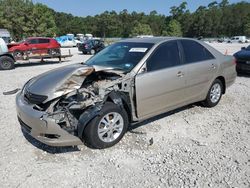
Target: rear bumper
{"type": "Point", "coordinates": [41, 127]}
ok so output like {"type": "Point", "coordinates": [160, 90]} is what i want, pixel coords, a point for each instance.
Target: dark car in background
{"type": "Point", "coordinates": [91, 46]}
{"type": "Point", "coordinates": [243, 60]}
{"type": "Point", "coordinates": [35, 45]}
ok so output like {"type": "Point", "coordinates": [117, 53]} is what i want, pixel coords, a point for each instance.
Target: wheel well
{"type": "Point", "coordinates": [125, 105]}
{"type": "Point", "coordinates": [8, 55]}
{"type": "Point", "coordinates": [222, 79]}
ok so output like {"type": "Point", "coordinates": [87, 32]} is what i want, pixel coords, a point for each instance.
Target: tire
{"type": "Point", "coordinates": [100, 134]}
{"type": "Point", "coordinates": [92, 52]}
{"type": "Point", "coordinates": [6, 63]}
{"type": "Point", "coordinates": [214, 94]}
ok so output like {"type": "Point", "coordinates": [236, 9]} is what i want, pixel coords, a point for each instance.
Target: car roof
{"type": "Point", "coordinates": [38, 38]}
{"type": "Point", "coordinates": [153, 40]}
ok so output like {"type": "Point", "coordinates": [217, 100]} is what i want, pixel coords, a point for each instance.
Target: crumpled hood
{"type": "Point", "coordinates": [60, 81]}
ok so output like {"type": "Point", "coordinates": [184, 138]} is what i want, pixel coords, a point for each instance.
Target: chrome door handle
{"type": "Point", "coordinates": [213, 66]}
{"type": "Point", "coordinates": [180, 74]}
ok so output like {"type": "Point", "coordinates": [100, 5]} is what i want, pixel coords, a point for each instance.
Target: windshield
{"type": "Point", "coordinates": [123, 55]}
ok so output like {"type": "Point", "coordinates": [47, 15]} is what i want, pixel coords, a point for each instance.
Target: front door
{"type": "Point", "coordinates": [162, 86]}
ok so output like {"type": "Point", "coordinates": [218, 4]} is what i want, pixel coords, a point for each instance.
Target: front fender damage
{"type": "Point", "coordinates": [74, 110]}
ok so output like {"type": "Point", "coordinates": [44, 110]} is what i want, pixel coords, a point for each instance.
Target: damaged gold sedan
{"type": "Point", "coordinates": [129, 81]}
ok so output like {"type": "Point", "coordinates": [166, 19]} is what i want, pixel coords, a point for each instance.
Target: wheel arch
{"type": "Point", "coordinates": [223, 81]}
{"type": "Point", "coordinates": [122, 100]}
{"type": "Point", "coordinates": [118, 98]}
{"type": "Point", "coordinates": [8, 55]}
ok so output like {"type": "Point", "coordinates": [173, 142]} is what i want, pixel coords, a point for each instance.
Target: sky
{"type": "Point", "coordinates": [93, 7]}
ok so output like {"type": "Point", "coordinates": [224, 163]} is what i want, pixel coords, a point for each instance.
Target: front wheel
{"type": "Point", "coordinates": [6, 63]}
{"type": "Point", "coordinates": [108, 128]}
{"type": "Point", "coordinates": [214, 94]}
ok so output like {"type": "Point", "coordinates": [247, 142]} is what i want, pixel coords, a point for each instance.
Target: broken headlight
{"type": "Point", "coordinates": [58, 117]}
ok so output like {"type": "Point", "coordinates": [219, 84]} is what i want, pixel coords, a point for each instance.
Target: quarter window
{"type": "Point", "coordinates": [43, 41]}
{"type": "Point", "coordinates": [166, 55]}
{"type": "Point", "coordinates": [195, 52]}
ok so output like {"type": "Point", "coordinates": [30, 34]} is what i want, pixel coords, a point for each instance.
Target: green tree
{"type": "Point", "coordinates": [43, 22]}
{"type": "Point", "coordinates": [156, 23]}
{"type": "Point", "coordinates": [141, 29]}
{"type": "Point", "coordinates": [247, 26]}
{"type": "Point", "coordinates": [173, 29]}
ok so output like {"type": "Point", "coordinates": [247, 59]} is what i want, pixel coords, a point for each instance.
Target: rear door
{"type": "Point", "coordinates": [200, 66]}
{"type": "Point", "coordinates": [43, 45]}
{"type": "Point", "coordinates": [162, 85]}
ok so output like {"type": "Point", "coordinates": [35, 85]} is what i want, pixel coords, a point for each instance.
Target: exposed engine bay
{"type": "Point", "coordinates": [84, 103]}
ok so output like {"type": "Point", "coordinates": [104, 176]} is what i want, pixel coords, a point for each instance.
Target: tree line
{"type": "Point", "coordinates": [23, 18]}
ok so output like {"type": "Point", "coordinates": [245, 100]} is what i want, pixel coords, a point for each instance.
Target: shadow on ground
{"type": "Point", "coordinates": [55, 150]}
{"type": "Point", "coordinates": [161, 116]}
{"type": "Point", "coordinates": [49, 149]}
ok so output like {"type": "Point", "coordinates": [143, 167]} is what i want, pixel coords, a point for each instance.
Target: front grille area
{"type": "Point", "coordinates": [33, 98]}
{"type": "Point", "coordinates": [24, 126]}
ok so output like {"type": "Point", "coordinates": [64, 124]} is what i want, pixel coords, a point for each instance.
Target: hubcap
{"type": "Point", "coordinates": [110, 127]}
{"type": "Point", "coordinates": [215, 93]}
{"type": "Point", "coordinates": [6, 64]}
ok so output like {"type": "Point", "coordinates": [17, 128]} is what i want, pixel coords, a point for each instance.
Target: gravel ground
{"type": "Point", "coordinates": [190, 147]}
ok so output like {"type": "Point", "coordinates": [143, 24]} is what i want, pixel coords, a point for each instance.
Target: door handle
{"type": "Point", "coordinates": [213, 66]}
{"type": "Point", "coordinates": [180, 74]}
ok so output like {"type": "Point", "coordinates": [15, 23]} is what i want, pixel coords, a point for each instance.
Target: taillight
{"type": "Point", "coordinates": [234, 61]}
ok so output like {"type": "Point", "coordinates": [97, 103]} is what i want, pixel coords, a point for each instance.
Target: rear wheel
{"type": "Point", "coordinates": [108, 128]}
{"type": "Point", "coordinates": [92, 52]}
{"type": "Point", "coordinates": [6, 63]}
{"type": "Point", "coordinates": [214, 94]}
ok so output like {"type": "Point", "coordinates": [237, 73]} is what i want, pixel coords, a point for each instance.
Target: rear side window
{"type": "Point", "coordinates": [166, 55]}
{"type": "Point", "coordinates": [43, 41]}
{"type": "Point", "coordinates": [195, 52]}
{"type": "Point", "coordinates": [33, 41]}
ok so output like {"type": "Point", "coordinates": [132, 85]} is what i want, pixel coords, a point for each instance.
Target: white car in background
{"type": "Point", "coordinates": [238, 39]}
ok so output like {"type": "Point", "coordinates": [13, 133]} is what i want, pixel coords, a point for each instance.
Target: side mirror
{"type": "Point", "coordinates": [26, 43]}
{"type": "Point", "coordinates": [243, 48]}
{"type": "Point", "coordinates": [143, 70]}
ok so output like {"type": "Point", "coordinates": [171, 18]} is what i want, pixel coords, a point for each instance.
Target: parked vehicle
{"type": "Point", "coordinates": [243, 60]}
{"type": "Point", "coordinates": [5, 35]}
{"type": "Point", "coordinates": [125, 83]}
{"type": "Point", "coordinates": [91, 46]}
{"type": "Point", "coordinates": [36, 45]}
{"type": "Point", "coordinates": [223, 39]}
{"type": "Point", "coordinates": [238, 39]}
{"type": "Point", "coordinates": [6, 60]}
{"type": "Point", "coordinates": [80, 36]}
{"type": "Point", "coordinates": [66, 41]}
{"type": "Point", "coordinates": [88, 36]}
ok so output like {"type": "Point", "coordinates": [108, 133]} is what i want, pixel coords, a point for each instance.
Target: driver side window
{"type": "Point", "coordinates": [165, 56]}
